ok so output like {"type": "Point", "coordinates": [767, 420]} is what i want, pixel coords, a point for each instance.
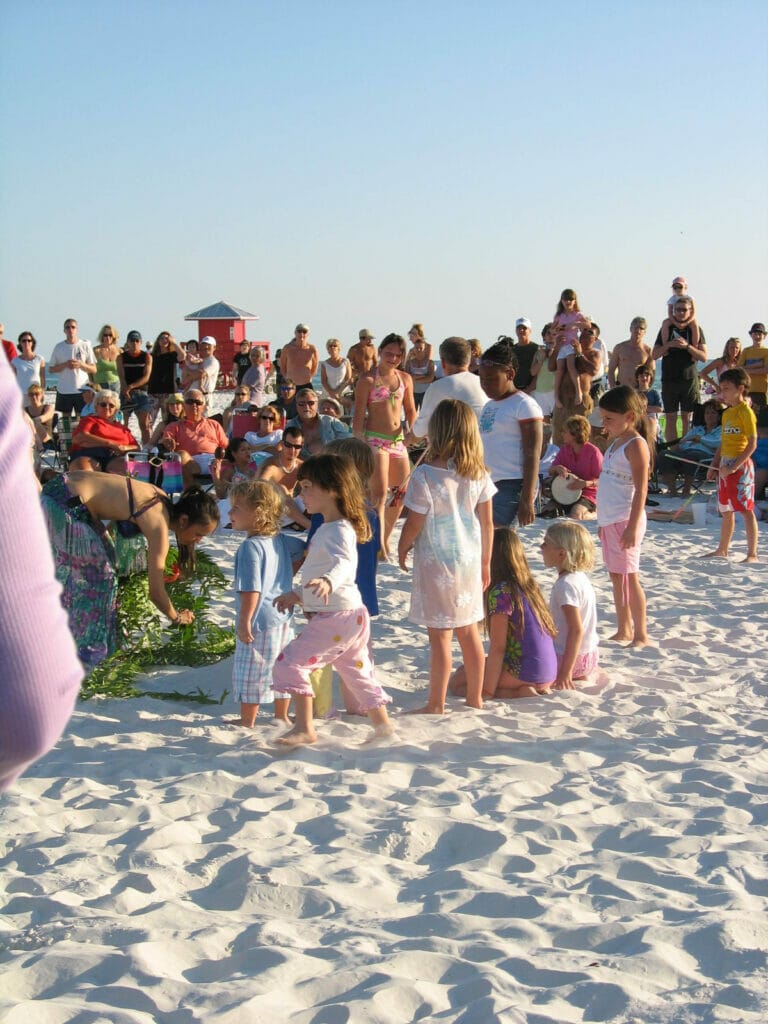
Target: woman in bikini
{"type": "Point", "coordinates": [383, 398]}
{"type": "Point", "coordinates": [85, 556]}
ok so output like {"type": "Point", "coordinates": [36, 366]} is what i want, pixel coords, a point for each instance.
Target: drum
{"type": "Point", "coordinates": [562, 493]}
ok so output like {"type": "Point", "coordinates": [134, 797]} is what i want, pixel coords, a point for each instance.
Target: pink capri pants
{"type": "Point", "coordinates": [332, 638]}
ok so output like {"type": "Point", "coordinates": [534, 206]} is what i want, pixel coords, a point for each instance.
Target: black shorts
{"type": "Point", "coordinates": [67, 404]}
{"type": "Point", "coordinates": [679, 394]}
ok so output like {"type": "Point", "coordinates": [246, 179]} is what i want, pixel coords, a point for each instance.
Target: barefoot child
{"type": "Point", "coordinates": [568, 547]}
{"type": "Point", "coordinates": [621, 493]}
{"type": "Point", "coordinates": [521, 658]}
{"type": "Point", "coordinates": [450, 527]}
{"type": "Point", "coordinates": [365, 577]}
{"type": "Point", "coordinates": [732, 464]}
{"type": "Point", "coordinates": [338, 629]}
{"type": "Point", "coordinates": [263, 570]}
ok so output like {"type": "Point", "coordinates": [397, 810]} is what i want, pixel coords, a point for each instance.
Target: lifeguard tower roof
{"type": "Point", "coordinates": [222, 310]}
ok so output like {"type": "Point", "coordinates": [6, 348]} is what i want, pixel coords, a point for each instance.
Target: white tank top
{"type": "Point", "coordinates": [615, 488]}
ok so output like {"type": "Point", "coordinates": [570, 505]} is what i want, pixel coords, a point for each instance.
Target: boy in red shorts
{"type": "Point", "coordinates": [732, 464]}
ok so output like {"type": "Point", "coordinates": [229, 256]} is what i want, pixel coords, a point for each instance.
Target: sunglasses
{"type": "Point", "coordinates": [270, 419]}
{"type": "Point", "coordinates": [288, 444]}
{"type": "Point", "coordinates": [306, 405]}
{"type": "Point", "coordinates": [106, 405]}
{"type": "Point", "coordinates": [193, 401]}
{"type": "Point", "coordinates": [25, 341]}
{"type": "Point", "coordinates": [287, 387]}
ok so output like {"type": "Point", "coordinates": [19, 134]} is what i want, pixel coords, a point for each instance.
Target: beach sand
{"type": "Point", "coordinates": [589, 856]}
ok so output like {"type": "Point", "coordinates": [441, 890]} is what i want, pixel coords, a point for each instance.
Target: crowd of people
{"type": "Point", "coordinates": [465, 444]}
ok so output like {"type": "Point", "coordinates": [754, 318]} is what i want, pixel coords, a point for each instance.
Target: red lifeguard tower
{"type": "Point", "coordinates": [227, 324]}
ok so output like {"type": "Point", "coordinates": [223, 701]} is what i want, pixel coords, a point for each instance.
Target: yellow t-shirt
{"type": "Point", "coordinates": [738, 425]}
{"type": "Point", "coordinates": [755, 361]}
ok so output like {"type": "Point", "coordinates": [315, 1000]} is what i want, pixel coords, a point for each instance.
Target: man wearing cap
{"type": "Point", "coordinates": [196, 437]}
{"type": "Point", "coordinates": [73, 360]}
{"type": "Point", "coordinates": [456, 382]}
{"type": "Point", "coordinates": [134, 366]}
{"type": "Point", "coordinates": [363, 356]}
{"type": "Point", "coordinates": [206, 373]}
{"type": "Point", "coordinates": [525, 350]}
{"type": "Point", "coordinates": [298, 359]}
{"type": "Point", "coordinates": [755, 361]}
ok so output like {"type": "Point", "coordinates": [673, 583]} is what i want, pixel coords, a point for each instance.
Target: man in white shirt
{"type": "Point", "coordinates": [207, 373]}
{"type": "Point", "coordinates": [72, 361]}
{"type": "Point", "coordinates": [456, 382]}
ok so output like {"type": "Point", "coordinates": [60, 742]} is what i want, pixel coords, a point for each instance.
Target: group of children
{"type": "Point", "coordinates": [464, 571]}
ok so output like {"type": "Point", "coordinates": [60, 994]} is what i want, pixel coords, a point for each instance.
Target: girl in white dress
{"type": "Point", "coordinates": [450, 528]}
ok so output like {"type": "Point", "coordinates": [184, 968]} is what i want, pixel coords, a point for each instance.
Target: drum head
{"type": "Point", "coordinates": [562, 493]}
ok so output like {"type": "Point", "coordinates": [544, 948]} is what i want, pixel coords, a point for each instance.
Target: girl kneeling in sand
{"type": "Point", "coordinates": [568, 547]}
{"type": "Point", "coordinates": [521, 658]}
{"type": "Point", "coordinates": [339, 626]}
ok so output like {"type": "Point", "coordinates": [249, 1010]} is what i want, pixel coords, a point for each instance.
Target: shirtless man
{"type": "Point", "coordinates": [298, 359]}
{"type": "Point", "coordinates": [629, 354]}
{"type": "Point", "coordinates": [283, 468]}
{"type": "Point", "coordinates": [363, 355]}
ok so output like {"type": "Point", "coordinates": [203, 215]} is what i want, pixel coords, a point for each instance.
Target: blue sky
{"type": "Point", "coordinates": [356, 164]}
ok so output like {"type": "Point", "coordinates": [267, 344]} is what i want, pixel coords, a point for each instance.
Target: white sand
{"type": "Point", "coordinates": [591, 856]}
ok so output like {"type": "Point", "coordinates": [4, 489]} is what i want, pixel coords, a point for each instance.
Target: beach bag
{"type": "Point", "coordinates": [169, 475]}
{"type": "Point", "coordinates": [138, 467]}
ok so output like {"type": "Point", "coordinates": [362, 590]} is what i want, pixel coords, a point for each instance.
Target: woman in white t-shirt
{"type": "Point", "coordinates": [28, 366]}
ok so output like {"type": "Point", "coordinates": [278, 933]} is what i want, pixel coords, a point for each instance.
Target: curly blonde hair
{"type": "Point", "coordinates": [265, 502]}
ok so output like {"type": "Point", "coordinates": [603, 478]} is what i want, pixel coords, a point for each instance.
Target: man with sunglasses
{"type": "Point", "coordinates": [298, 359]}
{"type": "Point", "coordinates": [73, 360]}
{"type": "Point", "coordinates": [755, 361]}
{"type": "Point", "coordinates": [195, 437]}
{"type": "Point", "coordinates": [286, 398]}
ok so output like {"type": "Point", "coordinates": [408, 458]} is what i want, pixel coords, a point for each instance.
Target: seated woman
{"type": "Point", "coordinates": [580, 463]}
{"type": "Point", "coordinates": [241, 402]}
{"type": "Point", "coordinates": [99, 442]}
{"type": "Point", "coordinates": [696, 449]}
{"type": "Point", "coordinates": [265, 440]}
{"type": "Point", "coordinates": [41, 413]}
{"type": "Point", "coordinates": [235, 465]}
{"type": "Point", "coordinates": [173, 410]}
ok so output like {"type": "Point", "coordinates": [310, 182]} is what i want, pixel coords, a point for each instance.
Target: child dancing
{"type": "Point", "coordinates": [338, 629]}
{"type": "Point", "coordinates": [450, 526]}
{"type": "Point", "coordinates": [568, 547]}
{"type": "Point", "coordinates": [521, 658]}
{"type": "Point", "coordinates": [621, 493]}
{"type": "Point", "coordinates": [263, 570]}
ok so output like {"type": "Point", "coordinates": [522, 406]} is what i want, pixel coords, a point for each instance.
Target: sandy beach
{"type": "Point", "coordinates": [589, 856]}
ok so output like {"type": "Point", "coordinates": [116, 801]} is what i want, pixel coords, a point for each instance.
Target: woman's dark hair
{"type": "Point", "coordinates": [24, 334]}
{"type": "Point", "coordinates": [234, 446]}
{"type": "Point", "coordinates": [501, 354]}
{"type": "Point", "coordinates": [394, 339]}
{"type": "Point", "coordinates": [199, 507]}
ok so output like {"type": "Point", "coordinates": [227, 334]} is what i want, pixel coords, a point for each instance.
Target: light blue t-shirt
{"type": "Point", "coordinates": [265, 565]}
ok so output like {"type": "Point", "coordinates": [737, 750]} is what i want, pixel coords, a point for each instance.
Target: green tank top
{"type": "Point", "coordinates": [106, 372]}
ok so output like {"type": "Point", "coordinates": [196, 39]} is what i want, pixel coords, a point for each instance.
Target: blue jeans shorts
{"type": "Point", "coordinates": [505, 501]}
